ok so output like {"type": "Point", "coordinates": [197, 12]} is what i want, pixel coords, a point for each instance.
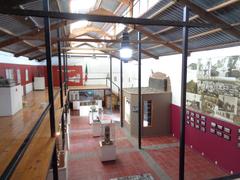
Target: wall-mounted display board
{"type": "Point", "coordinates": [220, 131]}
{"type": "Point", "coordinates": [213, 87]}
{"type": "Point", "coordinates": [196, 120]}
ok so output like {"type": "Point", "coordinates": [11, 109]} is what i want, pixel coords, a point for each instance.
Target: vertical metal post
{"type": "Point", "coordinates": [60, 84]}
{"type": "Point", "coordinates": [54, 163]}
{"type": "Point", "coordinates": [139, 93]}
{"type": "Point", "coordinates": [111, 81]}
{"type": "Point", "coordinates": [49, 68]}
{"type": "Point", "coordinates": [60, 67]}
{"type": "Point", "coordinates": [64, 73]}
{"type": "Point", "coordinates": [50, 83]}
{"type": "Point", "coordinates": [121, 92]}
{"type": "Point", "coordinates": [183, 97]}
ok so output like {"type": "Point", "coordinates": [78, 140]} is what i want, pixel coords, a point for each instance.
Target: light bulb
{"type": "Point", "coordinates": [125, 53]}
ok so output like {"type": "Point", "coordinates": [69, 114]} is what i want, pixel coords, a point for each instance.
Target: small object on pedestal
{"type": "Point", "coordinates": [93, 114]}
{"type": "Point", "coordinates": [107, 147]}
{"type": "Point", "coordinates": [96, 128]}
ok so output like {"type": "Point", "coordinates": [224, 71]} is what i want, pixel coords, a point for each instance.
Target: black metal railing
{"type": "Point", "coordinates": [27, 141]}
{"type": "Point", "coordinates": [113, 83]}
{"type": "Point", "coordinates": [20, 152]}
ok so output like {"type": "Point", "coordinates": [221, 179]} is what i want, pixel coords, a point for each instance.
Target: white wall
{"type": "Point", "coordinates": [170, 65]}
{"type": "Point", "coordinates": [10, 59]}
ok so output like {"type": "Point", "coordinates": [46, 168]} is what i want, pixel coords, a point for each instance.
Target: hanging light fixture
{"type": "Point", "coordinates": [125, 51]}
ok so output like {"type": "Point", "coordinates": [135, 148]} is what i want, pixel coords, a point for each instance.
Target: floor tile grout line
{"type": "Point", "coordinates": [82, 155]}
{"type": "Point", "coordinates": [160, 146]}
{"type": "Point", "coordinates": [150, 161]}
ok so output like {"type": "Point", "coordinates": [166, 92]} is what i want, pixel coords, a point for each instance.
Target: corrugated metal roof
{"type": "Point", "coordinates": [4, 36]}
{"type": "Point", "coordinates": [17, 47]}
{"type": "Point", "coordinates": [198, 37]}
{"type": "Point", "coordinates": [230, 14]}
{"type": "Point", "coordinates": [14, 26]}
{"type": "Point", "coordinates": [111, 6]}
{"type": "Point", "coordinates": [208, 4]}
{"type": "Point", "coordinates": [35, 5]}
{"type": "Point", "coordinates": [155, 9]}
{"type": "Point", "coordinates": [34, 54]}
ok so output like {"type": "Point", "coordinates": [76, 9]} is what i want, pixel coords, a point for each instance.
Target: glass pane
{"type": "Point", "coordinates": [147, 113]}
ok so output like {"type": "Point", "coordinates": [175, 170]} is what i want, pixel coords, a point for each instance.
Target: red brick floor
{"type": "Point", "coordinates": [158, 140]}
{"type": "Point", "coordinates": [84, 162]}
{"type": "Point", "coordinates": [196, 166]}
{"type": "Point", "coordinates": [92, 168]}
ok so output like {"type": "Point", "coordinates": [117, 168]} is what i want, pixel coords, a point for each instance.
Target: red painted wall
{"type": "Point", "coordinates": [73, 72]}
{"type": "Point", "coordinates": [33, 71]}
{"type": "Point", "coordinates": [215, 148]}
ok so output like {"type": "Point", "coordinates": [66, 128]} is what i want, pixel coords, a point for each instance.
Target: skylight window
{"type": "Point", "coordinates": [79, 6]}
{"type": "Point", "coordinates": [78, 24]}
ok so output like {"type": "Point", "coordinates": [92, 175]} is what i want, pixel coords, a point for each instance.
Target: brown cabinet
{"type": "Point", "coordinates": [155, 111]}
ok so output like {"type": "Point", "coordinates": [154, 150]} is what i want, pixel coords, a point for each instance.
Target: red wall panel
{"type": "Point", "coordinates": [74, 72]}
{"type": "Point", "coordinates": [32, 71]}
{"type": "Point", "coordinates": [215, 148]}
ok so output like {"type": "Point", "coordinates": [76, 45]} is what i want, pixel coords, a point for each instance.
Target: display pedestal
{"type": "Point", "coordinates": [93, 115]}
{"type": "Point", "coordinates": [67, 133]}
{"type": "Point", "coordinates": [76, 105]}
{"type": "Point", "coordinates": [39, 83]}
{"type": "Point", "coordinates": [67, 138]}
{"type": "Point", "coordinates": [10, 100]}
{"type": "Point", "coordinates": [99, 103]}
{"type": "Point", "coordinates": [96, 128]}
{"type": "Point", "coordinates": [107, 151]}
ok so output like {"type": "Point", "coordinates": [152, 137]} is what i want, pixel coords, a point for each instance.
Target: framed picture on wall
{"type": "Point", "coordinates": [26, 74]}
{"type": "Point", "coordinates": [213, 87]}
{"type": "Point", "coordinates": [9, 74]}
{"type": "Point", "coordinates": [227, 137]}
{"type": "Point", "coordinates": [18, 76]}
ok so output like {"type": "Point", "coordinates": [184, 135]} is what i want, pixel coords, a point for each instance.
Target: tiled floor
{"type": "Point", "coordinates": [159, 157]}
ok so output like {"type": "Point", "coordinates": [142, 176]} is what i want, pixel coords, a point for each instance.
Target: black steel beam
{"type": "Point", "coordinates": [121, 92]}
{"type": "Point", "coordinates": [50, 82]}
{"type": "Point", "coordinates": [49, 68]}
{"type": "Point", "coordinates": [183, 96]}
{"type": "Point", "coordinates": [106, 19]}
{"type": "Point", "coordinates": [64, 73]}
{"type": "Point", "coordinates": [66, 70]}
{"type": "Point", "coordinates": [139, 92]}
{"type": "Point", "coordinates": [61, 86]}
{"type": "Point", "coordinates": [54, 163]}
{"type": "Point", "coordinates": [111, 80]}
{"type": "Point", "coordinates": [60, 67]}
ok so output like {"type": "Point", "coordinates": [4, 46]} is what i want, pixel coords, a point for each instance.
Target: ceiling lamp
{"type": "Point", "coordinates": [125, 51]}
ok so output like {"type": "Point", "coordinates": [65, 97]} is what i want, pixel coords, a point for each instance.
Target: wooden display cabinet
{"type": "Point", "coordinates": [155, 111]}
